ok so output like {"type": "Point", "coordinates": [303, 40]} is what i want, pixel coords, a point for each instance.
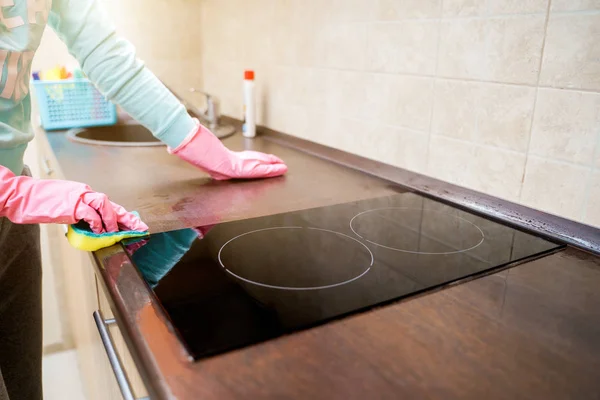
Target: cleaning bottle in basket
{"type": "Point", "coordinates": [249, 128]}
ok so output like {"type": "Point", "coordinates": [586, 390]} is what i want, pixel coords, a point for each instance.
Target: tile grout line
{"type": "Point", "coordinates": [588, 187]}
{"type": "Point", "coordinates": [367, 49]}
{"type": "Point", "coordinates": [515, 152]}
{"type": "Point", "coordinates": [471, 143]}
{"type": "Point", "coordinates": [468, 80]}
{"type": "Point", "coordinates": [537, 88]}
{"type": "Point", "coordinates": [450, 78]}
{"type": "Point", "coordinates": [586, 196]}
{"type": "Point", "coordinates": [383, 124]}
{"type": "Point", "coordinates": [478, 90]}
{"type": "Point", "coordinates": [577, 90]}
{"type": "Point", "coordinates": [577, 12]}
{"type": "Point", "coordinates": [562, 162]}
{"type": "Point", "coordinates": [486, 16]}
{"type": "Point", "coordinates": [482, 145]}
{"type": "Point", "coordinates": [434, 90]}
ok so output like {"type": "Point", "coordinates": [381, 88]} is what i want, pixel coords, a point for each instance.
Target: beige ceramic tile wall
{"type": "Point", "coordinates": [165, 34]}
{"type": "Point", "coordinates": [502, 96]}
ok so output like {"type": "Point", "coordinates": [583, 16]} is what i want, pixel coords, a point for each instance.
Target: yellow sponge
{"type": "Point", "coordinates": [81, 237]}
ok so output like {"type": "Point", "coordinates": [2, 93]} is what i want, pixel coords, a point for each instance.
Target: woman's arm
{"type": "Point", "coordinates": [25, 200]}
{"type": "Point", "coordinates": [110, 62]}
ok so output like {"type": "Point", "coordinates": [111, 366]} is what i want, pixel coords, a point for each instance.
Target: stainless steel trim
{"type": "Point", "coordinates": [113, 357]}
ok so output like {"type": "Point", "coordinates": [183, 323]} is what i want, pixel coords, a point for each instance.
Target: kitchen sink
{"type": "Point", "coordinates": [127, 134]}
{"type": "Point", "coordinates": [130, 134]}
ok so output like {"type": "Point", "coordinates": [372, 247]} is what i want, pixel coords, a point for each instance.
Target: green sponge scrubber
{"type": "Point", "coordinates": [81, 237]}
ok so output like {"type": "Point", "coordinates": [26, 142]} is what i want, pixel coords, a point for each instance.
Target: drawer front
{"type": "Point", "coordinates": [130, 370]}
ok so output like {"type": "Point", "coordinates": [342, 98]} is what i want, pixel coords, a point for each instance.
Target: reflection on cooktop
{"type": "Point", "coordinates": [387, 227]}
{"type": "Point", "coordinates": [241, 283]}
{"type": "Point", "coordinates": [329, 258]}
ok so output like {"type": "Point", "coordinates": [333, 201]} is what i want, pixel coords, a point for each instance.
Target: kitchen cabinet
{"type": "Point", "coordinates": [57, 332]}
{"type": "Point", "coordinates": [135, 380]}
{"type": "Point", "coordinates": [82, 297]}
{"type": "Point", "coordinates": [82, 300]}
{"type": "Point", "coordinates": [57, 336]}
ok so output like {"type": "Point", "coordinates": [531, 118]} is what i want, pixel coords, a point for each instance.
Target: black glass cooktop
{"type": "Point", "coordinates": [239, 283]}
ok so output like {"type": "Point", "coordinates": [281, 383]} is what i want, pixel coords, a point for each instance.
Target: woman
{"type": "Point", "coordinates": [110, 63]}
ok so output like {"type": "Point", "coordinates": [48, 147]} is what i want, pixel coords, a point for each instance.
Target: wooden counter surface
{"type": "Point", "coordinates": [529, 332]}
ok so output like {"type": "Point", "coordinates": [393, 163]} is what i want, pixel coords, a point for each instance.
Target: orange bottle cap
{"type": "Point", "coordinates": [249, 75]}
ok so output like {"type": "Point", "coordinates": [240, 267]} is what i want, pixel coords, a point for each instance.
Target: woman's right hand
{"type": "Point", "coordinates": [25, 200]}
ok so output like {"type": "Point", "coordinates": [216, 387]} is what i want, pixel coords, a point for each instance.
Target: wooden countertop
{"type": "Point", "coordinates": [532, 331]}
{"type": "Point", "coordinates": [172, 194]}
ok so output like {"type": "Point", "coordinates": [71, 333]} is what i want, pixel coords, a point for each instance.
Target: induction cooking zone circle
{"type": "Point", "coordinates": [417, 230]}
{"type": "Point", "coordinates": [296, 258]}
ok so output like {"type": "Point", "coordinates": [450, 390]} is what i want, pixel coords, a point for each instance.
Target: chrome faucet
{"type": "Point", "coordinates": [211, 113]}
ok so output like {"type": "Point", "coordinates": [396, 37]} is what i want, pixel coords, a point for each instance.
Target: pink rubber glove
{"type": "Point", "coordinates": [25, 200]}
{"type": "Point", "coordinates": [204, 150]}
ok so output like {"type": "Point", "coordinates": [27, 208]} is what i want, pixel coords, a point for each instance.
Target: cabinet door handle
{"type": "Point", "coordinates": [113, 357]}
{"type": "Point", "coordinates": [47, 169]}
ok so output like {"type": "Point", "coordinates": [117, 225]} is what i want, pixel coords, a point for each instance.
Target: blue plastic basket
{"type": "Point", "coordinates": [73, 103]}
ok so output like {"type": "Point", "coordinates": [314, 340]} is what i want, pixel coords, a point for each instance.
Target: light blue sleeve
{"type": "Point", "coordinates": [162, 252]}
{"type": "Point", "coordinates": [110, 62]}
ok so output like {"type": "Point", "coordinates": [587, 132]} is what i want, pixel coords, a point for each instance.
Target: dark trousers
{"type": "Point", "coordinates": [20, 312]}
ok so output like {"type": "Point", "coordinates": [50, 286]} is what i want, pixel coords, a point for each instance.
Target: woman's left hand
{"type": "Point", "coordinates": [204, 150]}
